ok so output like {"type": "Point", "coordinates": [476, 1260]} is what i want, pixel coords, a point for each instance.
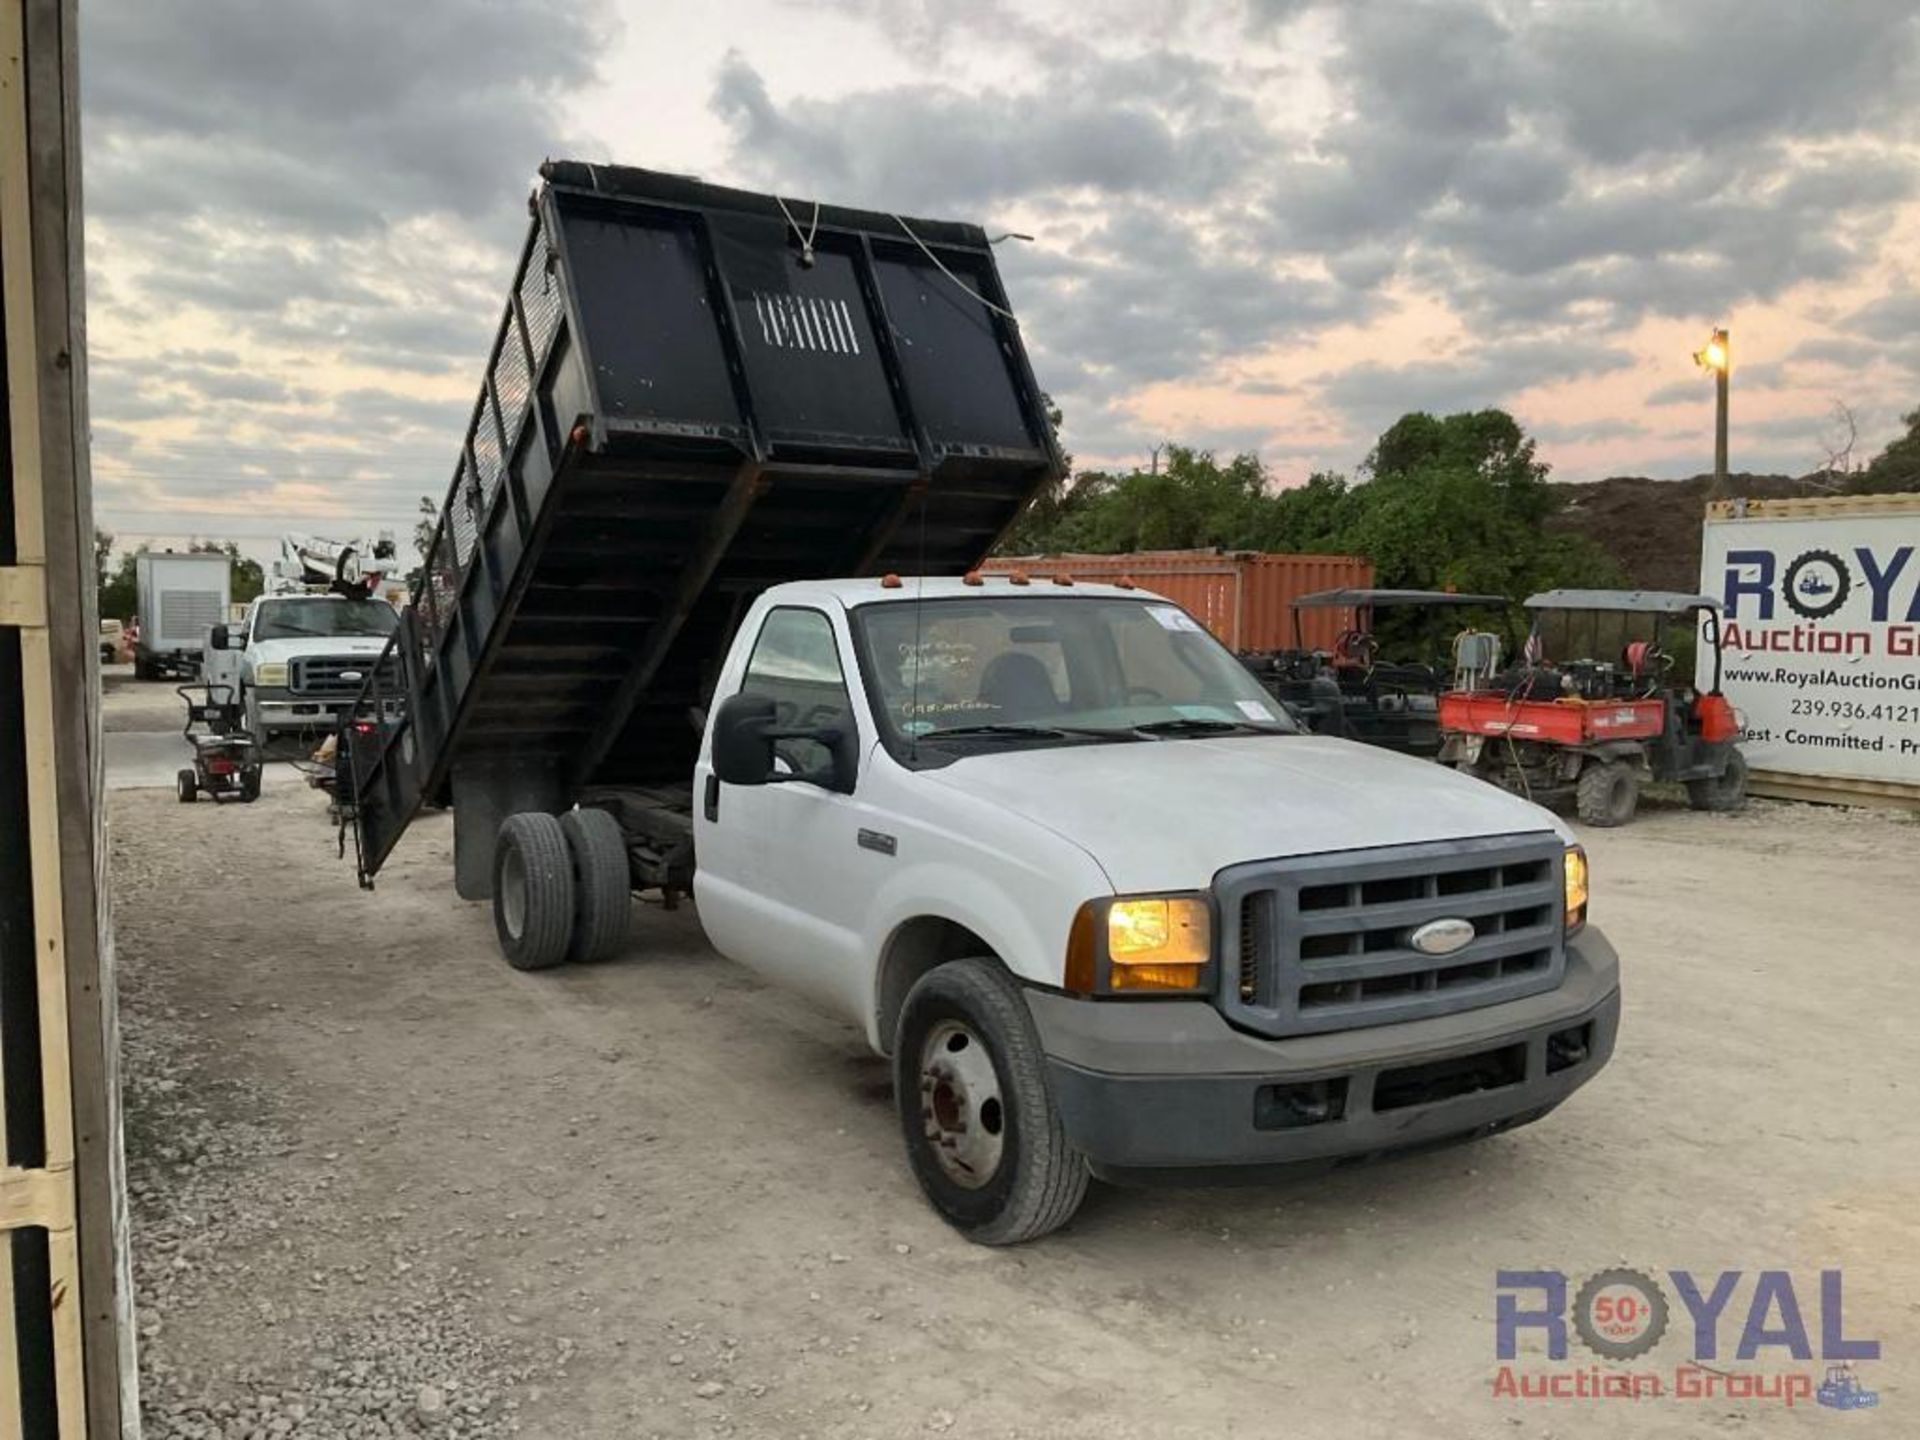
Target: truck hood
{"type": "Point", "coordinates": [1167, 815]}
{"type": "Point", "coordinates": [261, 652]}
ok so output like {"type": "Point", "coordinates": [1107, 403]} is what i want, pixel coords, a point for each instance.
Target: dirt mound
{"type": "Point", "coordinates": [1652, 527]}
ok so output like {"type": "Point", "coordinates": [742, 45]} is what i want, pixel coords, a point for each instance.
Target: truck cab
{"type": "Point", "coordinates": [298, 661]}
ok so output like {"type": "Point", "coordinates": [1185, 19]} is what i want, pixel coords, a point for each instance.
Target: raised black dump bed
{"type": "Point", "coordinates": [694, 393]}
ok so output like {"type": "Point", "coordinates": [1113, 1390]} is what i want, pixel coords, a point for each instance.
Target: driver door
{"type": "Point", "coordinates": [781, 881]}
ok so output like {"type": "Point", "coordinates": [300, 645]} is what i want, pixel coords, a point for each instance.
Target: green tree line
{"type": "Point", "coordinates": [1456, 502]}
{"type": "Point", "coordinates": [1896, 469]}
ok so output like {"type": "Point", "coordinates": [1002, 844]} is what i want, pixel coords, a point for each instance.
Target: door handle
{"type": "Point", "coordinates": [711, 803]}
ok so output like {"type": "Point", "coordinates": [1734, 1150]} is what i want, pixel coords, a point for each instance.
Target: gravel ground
{"type": "Point", "coordinates": [383, 1185]}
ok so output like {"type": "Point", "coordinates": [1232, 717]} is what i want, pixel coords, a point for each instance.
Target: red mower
{"type": "Point", "coordinates": [1593, 731]}
{"type": "Point", "coordinates": [226, 761]}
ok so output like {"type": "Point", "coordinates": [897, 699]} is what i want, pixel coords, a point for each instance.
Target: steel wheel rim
{"type": "Point", "coordinates": [513, 892]}
{"type": "Point", "coordinates": [961, 1112]}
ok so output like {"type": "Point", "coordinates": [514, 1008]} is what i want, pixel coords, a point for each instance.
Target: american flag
{"type": "Point", "coordinates": [1534, 652]}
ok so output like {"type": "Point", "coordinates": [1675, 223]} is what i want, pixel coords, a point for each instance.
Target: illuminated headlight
{"type": "Point", "coordinates": [1140, 943]}
{"type": "Point", "coordinates": [270, 674]}
{"type": "Point", "coordinates": [1576, 888]}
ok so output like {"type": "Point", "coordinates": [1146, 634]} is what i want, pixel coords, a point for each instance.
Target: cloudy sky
{"type": "Point", "coordinates": [1269, 225]}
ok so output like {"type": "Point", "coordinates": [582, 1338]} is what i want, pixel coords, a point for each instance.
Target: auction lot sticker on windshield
{"type": "Point", "coordinates": [1822, 639]}
{"type": "Point", "coordinates": [1172, 618]}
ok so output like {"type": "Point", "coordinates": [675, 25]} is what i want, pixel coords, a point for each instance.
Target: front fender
{"type": "Point", "coordinates": [1023, 920]}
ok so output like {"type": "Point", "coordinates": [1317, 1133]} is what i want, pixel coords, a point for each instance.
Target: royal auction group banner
{"type": "Point", "coordinates": [1821, 633]}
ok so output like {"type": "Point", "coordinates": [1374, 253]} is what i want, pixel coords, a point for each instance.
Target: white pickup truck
{"type": "Point", "coordinates": [298, 661]}
{"type": "Point", "coordinates": [1056, 853]}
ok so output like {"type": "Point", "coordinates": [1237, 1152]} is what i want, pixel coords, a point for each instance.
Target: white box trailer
{"type": "Point", "coordinates": [181, 598]}
{"type": "Point", "coordinates": [1822, 642]}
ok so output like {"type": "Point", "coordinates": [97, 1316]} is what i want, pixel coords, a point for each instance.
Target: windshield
{"type": "Point", "coordinates": [298, 619]}
{"type": "Point", "coordinates": [999, 667]}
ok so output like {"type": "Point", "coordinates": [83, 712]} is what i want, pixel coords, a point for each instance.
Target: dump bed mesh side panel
{"type": "Point", "coordinates": [541, 304]}
{"type": "Point", "coordinates": [461, 506]}
{"type": "Point", "coordinates": [486, 451]}
{"type": "Point", "coordinates": [512, 384]}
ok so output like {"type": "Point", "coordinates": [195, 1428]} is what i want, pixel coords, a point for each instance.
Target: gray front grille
{"type": "Point", "coordinates": [1322, 942]}
{"type": "Point", "coordinates": [326, 675]}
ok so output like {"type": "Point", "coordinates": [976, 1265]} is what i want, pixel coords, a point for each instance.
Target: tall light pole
{"type": "Point", "coordinates": [1717, 356]}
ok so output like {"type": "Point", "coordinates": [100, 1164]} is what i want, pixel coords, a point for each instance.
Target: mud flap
{"type": "Point", "coordinates": [486, 793]}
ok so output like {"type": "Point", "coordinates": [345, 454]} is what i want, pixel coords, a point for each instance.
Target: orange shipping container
{"type": "Point", "coordinates": [1244, 597]}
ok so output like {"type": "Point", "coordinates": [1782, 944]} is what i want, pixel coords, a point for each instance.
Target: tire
{"type": "Point", "coordinates": [533, 892]}
{"type": "Point", "coordinates": [1725, 791]}
{"type": "Point", "coordinates": [1009, 1173]}
{"type": "Point", "coordinates": [603, 889]}
{"type": "Point", "coordinates": [249, 786]}
{"type": "Point", "coordinates": [1608, 793]}
{"type": "Point", "coordinates": [185, 787]}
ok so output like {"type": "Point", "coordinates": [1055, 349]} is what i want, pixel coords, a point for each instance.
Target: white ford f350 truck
{"type": "Point", "coordinates": [1047, 846]}
{"type": "Point", "coordinates": [1061, 857]}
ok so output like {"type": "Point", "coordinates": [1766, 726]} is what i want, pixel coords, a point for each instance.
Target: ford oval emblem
{"type": "Point", "coordinates": [356, 675]}
{"type": "Point", "coordinates": [1442, 937]}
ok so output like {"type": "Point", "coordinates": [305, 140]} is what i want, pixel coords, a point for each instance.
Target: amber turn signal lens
{"type": "Point", "coordinates": [1083, 964]}
{"type": "Point", "coordinates": [1156, 977]}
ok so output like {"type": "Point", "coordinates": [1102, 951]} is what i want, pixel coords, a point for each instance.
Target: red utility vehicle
{"type": "Point", "coordinates": [1594, 730]}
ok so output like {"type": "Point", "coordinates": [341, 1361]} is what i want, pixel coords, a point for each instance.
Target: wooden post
{"type": "Point", "coordinates": [66, 1343]}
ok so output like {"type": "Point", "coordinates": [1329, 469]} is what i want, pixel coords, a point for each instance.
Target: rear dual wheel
{"type": "Point", "coordinates": [603, 887]}
{"type": "Point", "coordinates": [560, 888]}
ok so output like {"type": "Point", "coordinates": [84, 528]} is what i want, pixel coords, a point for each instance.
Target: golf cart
{"type": "Point", "coordinates": [1351, 691]}
{"type": "Point", "coordinates": [1594, 730]}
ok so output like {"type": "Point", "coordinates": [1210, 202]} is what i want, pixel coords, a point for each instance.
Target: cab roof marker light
{"type": "Point", "coordinates": [973, 577]}
{"type": "Point", "coordinates": [1125, 582]}
{"type": "Point", "coordinates": [1063, 579]}
{"type": "Point", "coordinates": [1019, 577]}
{"type": "Point", "coordinates": [889, 581]}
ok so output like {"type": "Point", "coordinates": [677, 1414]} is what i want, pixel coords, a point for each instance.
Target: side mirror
{"type": "Point", "coordinates": [744, 729]}
{"type": "Point", "coordinates": [743, 740]}
{"type": "Point", "coordinates": [221, 639]}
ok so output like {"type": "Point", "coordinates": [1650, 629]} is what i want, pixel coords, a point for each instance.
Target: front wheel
{"type": "Point", "coordinates": [1725, 791]}
{"type": "Point", "coordinates": [982, 1132]}
{"type": "Point", "coordinates": [185, 787]}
